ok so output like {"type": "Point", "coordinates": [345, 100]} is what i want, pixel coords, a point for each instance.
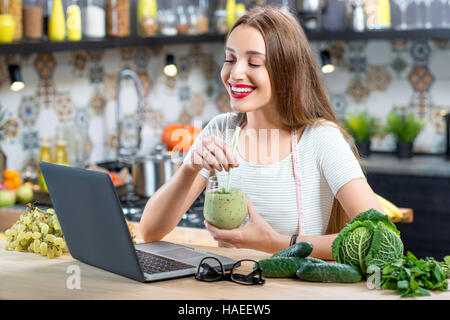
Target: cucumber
{"type": "Point", "coordinates": [329, 272]}
{"type": "Point", "coordinates": [284, 267]}
{"type": "Point", "coordinates": [301, 249]}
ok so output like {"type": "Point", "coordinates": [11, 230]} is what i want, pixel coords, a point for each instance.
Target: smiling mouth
{"type": "Point", "coordinates": [240, 92]}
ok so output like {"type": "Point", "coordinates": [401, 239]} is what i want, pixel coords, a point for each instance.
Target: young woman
{"type": "Point", "coordinates": [310, 183]}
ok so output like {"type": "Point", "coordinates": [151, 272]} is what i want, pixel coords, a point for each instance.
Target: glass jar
{"type": "Point", "coordinates": [167, 22]}
{"type": "Point", "coordinates": [182, 21]}
{"type": "Point", "coordinates": [14, 8]}
{"type": "Point", "coordinates": [220, 21]}
{"type": "Point", "coordinates": [202, 17]}
{"type": "Point", "coordinates": [73, 20]}
{"type": "Point", "coordinates": [193, 19]}
{"type": "Point", "coordinates": [32, 19]}
{"type": "Point", "coordinates": [225, 208]}
{"type": "Point", "coordinates": [118, 18]}
{"type": "Point", "coordinates": [147, 24]}
{"type": "Point", "coordinates": [94, 19]}
{"type": "Point", "coordinates": [56, 21]}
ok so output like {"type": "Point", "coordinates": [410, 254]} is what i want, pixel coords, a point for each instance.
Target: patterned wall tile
{"type": "Point", "coordinates": [141, 58]}
{"type": "Point", "coordinates": [441, 44]}
{"type": "Point", "coordinates": [399, 65]}
{"type": "Point", "coordinates": [81, 118]}
{"type": "Point", "coordinates": [29, 110]}
{"type": "Point", "coordinates": [64, 106]}
{"type": "Point", "coordinates": [97, 103]}
{"type": "Point", "coordinates": [185, 116]}
{"type": "Point", "coordinates": [339, 104]}
{"type": "Point", "coordinates": [197, 104]}
{"type": "Point", "coordinates": [357, 90]}
{"type": "Point", "coordinates": [421, 78]}
{"type": "Point", "coordinates": [420, 51]}
{"type": "Point", "coordinates": [11, 128]}
{"type": "Point", "coordinates": [184, 93]}
{"type": "Point", "coordinates": [111, 86]}
{"type": "Point", "coordinates": [157, 120]}
{"type": "Point", "coordinates": [223, 102]}
{"type": "Point", "coordinates": [126, 54]}
{"type": "Point", "coordinates": [209, 67]}
{"type": "Point", "coordinates": [399, 45]}
{"type": "Point", "coordinates": [30, 140]}
{"type": "Point", "coordinates": [421, 104]}
{"type": "Point", "coordinates": [357, 64]}
{"type": "Point", "coordinates": [45, 64]}
{"type": "Point", "coordinates": [184, 67]}
{"type": "Point", "coordinates": [45, 94]}
{"type": "Point", "coordinates": [338, 54]}
{"type": "Point", "coordinates": [357, 46]}
{"type": "Point", "coordinates": [95, 55]}
{"type": "Point", "coordinates": [79, 62]}
{"type": "Point", "coordinates": [96, 73]}
{"type": "Point", "coordinates": [146, 83]}
{"type": "Point", "coordinates": [377, 78]}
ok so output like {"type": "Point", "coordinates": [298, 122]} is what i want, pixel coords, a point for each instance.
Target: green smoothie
{"type": "Point", "coordinates": [225, 210]}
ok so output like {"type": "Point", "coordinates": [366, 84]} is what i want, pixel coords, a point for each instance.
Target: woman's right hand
{"type": "Point", "coordinates": [212, 153]}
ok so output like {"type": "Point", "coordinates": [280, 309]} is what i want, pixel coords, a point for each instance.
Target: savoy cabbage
{"type": "Point", "coordinates": [369, 239]}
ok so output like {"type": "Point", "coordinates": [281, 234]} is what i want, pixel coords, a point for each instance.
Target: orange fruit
{"type": "Point", "coordinates": [10, 174]}
{"type": "Point", "coordinates": [9, 184]}
{"type": "Point", "coordinates": [17, 182]}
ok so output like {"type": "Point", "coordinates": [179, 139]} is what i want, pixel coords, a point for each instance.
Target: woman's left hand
{"type": "Point", "coordinates": [255, 234]}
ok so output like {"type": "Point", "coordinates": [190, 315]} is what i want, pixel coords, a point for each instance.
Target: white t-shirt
{"type": "Point", "coordinates": [326, 163]}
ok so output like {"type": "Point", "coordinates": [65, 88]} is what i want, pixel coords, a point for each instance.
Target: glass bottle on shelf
{"type": "Point", "coordinates": [220, 21]}
{"type": "Point", "coordinates": [56, 22]}
{"type": "Point", "coordinates": [94, 19]}
{"type": "Point", "coordinates": [14, 8]}
{"type": "Point", "coordinates": [202, 17]}
{"type": "Point", "coordinates": [32, 19]}
{"type": "Point", "coordinates": [193, 19]}
{"type": "Point", "coordinates": [182, 21]}
{"type": "Point", "coordinates": [60, 156]}
{"type": "Point", "coordinates": [168, 22]}
{"type": "Point", "coordinates": [73, 20]}
{"type": "Point", "coordinates": [147, 24]}
{"type": "Point", "coordinates": [118, 18]}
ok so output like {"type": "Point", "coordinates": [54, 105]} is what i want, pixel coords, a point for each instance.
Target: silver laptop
{"type": "Point", "coordinates": [96, 232]}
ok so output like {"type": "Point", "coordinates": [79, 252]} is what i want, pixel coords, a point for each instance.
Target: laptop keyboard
{"type": "Point", "coordinates": [156, 264]}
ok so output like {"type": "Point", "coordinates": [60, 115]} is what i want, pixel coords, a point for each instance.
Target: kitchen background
{"type": "Point", "coordinates": [72, 94]}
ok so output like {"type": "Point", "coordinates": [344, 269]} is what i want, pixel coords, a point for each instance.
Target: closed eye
{"type": "Point", "coordinates": [250, 64]}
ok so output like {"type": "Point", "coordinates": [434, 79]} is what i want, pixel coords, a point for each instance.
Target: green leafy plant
{"type": "Point", "coordinates": [368, 239]}
{"type": "Point", "coordinates": [403, 125]}
{"type": "Point", "coordinates": [413, 277]}
{"type": "Point", "coordinates": [362, 127]}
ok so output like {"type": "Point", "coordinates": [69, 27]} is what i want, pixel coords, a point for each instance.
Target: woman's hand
{"type": "Point", "coordinates": [212, 153]}
{"type": "Point", "coordinates": [255, 234]}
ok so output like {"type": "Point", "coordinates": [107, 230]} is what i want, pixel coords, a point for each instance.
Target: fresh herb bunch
{"type": "Point", "coordinates": [413, 277]}
{"type": "Point", "coordinates": [403, 125]}
{"type": "Point", "coordinates": [362, 127]}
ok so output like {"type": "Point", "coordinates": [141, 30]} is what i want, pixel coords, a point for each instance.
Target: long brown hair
{"type": "Point", "coordinates": [300, 93]}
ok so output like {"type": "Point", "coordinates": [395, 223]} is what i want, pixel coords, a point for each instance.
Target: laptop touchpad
{"type": "Point", "coordinates": [181, 254]}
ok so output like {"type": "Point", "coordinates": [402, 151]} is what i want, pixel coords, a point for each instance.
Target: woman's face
{"type": "Point", "coordinates": [244, 72]}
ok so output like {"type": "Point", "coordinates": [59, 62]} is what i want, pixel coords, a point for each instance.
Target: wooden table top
{"type": "Point", "coordinates": [31, 276]}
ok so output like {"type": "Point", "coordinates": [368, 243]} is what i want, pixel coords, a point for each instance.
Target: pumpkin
{"type": "Point", "coordinates": [180, 140]}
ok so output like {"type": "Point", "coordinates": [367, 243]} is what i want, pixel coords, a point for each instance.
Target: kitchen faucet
{"type": "Point", "coordinates": [128, 73]}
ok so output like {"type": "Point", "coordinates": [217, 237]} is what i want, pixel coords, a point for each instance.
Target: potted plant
{"type": "Point", "coordinates": [362, 127]}
{"type": "Point", "coordinates": [3, 120]}
{"type": "Point", "coordinates": [405, 127]}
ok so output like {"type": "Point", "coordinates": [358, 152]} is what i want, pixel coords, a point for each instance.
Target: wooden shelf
{"type": "Point", "coordinates": [348, 35]}
{"type": "Point", "coordinates": [26, 46]}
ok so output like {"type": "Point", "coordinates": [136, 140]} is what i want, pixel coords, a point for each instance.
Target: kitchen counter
{"type": "Point", "coordinates": [418, 165]}
{"type": "Point", "coordinates": [31, 276]}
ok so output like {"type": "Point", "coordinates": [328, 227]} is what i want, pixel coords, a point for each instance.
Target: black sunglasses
{"type": "Point", "coordinates": [209, 274]}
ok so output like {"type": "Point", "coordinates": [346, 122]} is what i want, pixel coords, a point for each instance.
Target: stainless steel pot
{"type": "Point", "coordinates": [150, 172]}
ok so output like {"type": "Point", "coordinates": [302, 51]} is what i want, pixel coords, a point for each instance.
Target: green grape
{"type": "Point", "coordinates": [44, 228]}
{"type": "Point", "coordinates": [24, 242]}
{"type": "Point", "coordinates": [19, 248]}
{"type": "Point", "coordinates": [27, 220]}
{"type": "Point", "coordinates": [21, 228]}
{"type": "Point", "coordinates": [51, 211]}
{"type": "Point", "coordinates": [8, 232]}
{"type": "Point", "coordinates": [58, 252]}
{"type": "Point", "coordinates": [14, 231]}
{"type": "Point", "coordinates": [49, 238]}
{"type": "Point", "coordinates": [30, 248]}
{"type": "Point", "coordinates": [35, 229]}
{"type": "Point", "coordinates": [28, 235]}
{"type": "Point", "coordinates": [58, 241]}
{"type": "Point", "coordinates": [36, 246]}
{"type": "Point", "coordinates": [36, 235]}
{"type": "Point", "coordinates": [44, 248]}
{"type": "Point", "coordinates": [57, 226]}
{"type": "Point", "coordinates": [51, 252]}
{"type": "Point", "coordinates": [20, 236]}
